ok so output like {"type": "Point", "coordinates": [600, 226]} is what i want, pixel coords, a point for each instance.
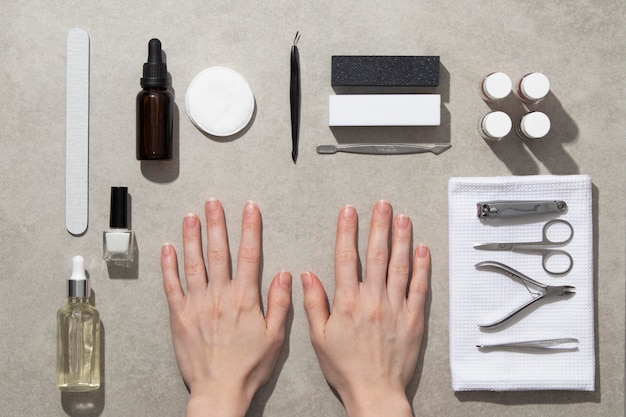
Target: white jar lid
{"type": "Point", "coordinates": [535, 86]}
{"type": "Point", "coordinates": [496, 124]}
{"type": "Point", "coordinates": [496, 86]}
{"type": "Point", "coordinates": [535, 125]}
{"type": "Point", "coordinates": [219, 101]}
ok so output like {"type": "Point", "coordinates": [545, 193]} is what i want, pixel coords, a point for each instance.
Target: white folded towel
{"type": "Point", "coordinates": [480, 296]}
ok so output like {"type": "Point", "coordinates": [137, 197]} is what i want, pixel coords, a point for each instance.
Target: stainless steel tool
{"type": "Point", "coordinates": [541, 248]}
{"type": "Point", "coordinates": [542, 291]}
{"type": "Point", "coordinates": [505, 209]}
{"type": "Point", "coordinates": [384, 149]}
{"type": "Point", "coordinates": [550, 345]}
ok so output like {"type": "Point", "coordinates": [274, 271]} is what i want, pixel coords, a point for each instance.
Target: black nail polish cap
{"type": "Point", "coordinates": [119, 200]}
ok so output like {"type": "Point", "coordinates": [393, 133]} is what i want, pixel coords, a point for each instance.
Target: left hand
{"type": "Point", "coordinates": [225, 347]}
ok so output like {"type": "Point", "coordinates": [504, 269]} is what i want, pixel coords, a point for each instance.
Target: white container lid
{"type": "Point", "coordinates": [535, 125]}
{"type": "Point", "coordinates": [219, 101]}
{"type": "Point", "coordinates": [535, 86]}
{"type": "Point", "coordinates": [496, 124]}
{"type": "Point", "coordinates": [496, 86]}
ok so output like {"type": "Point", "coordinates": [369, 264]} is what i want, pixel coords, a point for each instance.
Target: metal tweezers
{"type": "Point", "coordinates": [550, 345]}
{"type": "Point", "coordinates": [542, 291]}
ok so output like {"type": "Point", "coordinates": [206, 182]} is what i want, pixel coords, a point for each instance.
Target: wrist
{"type": "Point", "coordinates": [376, 403]}
{"type": "Point", "coordinates": [217, 405]}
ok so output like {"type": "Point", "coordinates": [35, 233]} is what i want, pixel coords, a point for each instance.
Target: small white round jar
{"type": "Point", "coordinates": [495, 125]}
{"type": "Point", "coordinates": [495, 86]}
{"type": "Point", "coordinates": [533, 87]}
{"type": "Point", "coordinates": [534, 125]}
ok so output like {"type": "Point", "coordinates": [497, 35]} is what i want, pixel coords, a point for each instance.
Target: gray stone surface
{"type": "Point", "coordinates": [579, 44]}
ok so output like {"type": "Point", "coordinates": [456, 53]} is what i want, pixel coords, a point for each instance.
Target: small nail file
{"type": "Point", "coordinates": [77, 133]}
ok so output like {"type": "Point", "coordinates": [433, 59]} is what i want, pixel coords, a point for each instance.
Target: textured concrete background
{"type": "Point", "coordinates": [579, 44]}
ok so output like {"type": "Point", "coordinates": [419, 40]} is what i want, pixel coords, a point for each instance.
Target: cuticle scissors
{"type": "Point", "coordinates": [542, 291]}
{"type": "Point", "coordinates": [540, 247]}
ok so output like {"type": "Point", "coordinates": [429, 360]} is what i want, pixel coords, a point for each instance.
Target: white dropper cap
{"type": "Point", "coordinates": [535, 125]}
{"type": "Point", "coordinates": [534, 86]}
{"type": "Point", "coordinates": [78, 285]}
{"type": "Point", "coordinates": [497, 86]}
{"type": "Point", "coordinates": [496, 125]}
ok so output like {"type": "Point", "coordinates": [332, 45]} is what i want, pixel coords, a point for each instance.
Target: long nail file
{"type": "Point", "coordinates": [77, 133]}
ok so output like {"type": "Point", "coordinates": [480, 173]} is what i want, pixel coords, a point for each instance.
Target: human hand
{"type": "Point", "coordinates": [368, 345]}
{"type": "Point", "coordinates": [225, 347]}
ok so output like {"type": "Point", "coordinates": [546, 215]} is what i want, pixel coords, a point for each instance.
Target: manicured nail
{"type": "Point", "coordinates": [383, 207]}
{"type": "Point", "coordinates": [422, 251]}
{"type": "Point", "coordinates": [284, 280]}
{"type": "Point", "coordinates": [166, 249]}
{"type": "Point", "coordinates": [403, 221]}
{"type": "Point", "coordinates": [191, 220]}
{"type": "Point", "coordinates": [212, 204]}
{"type": "Point", "coordinates": [307, 280]}
{"type": "Point", "coordinates": [349, 212]}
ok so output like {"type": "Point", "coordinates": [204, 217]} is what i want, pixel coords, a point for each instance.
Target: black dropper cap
{"type": "Point", "coordinates": [155, 70]}
{"type": "Point", "coordinates": [119, 198]}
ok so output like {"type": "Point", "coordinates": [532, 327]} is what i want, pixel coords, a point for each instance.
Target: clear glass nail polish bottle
{"type": "Point", "coordinates": [78, 336]}
{"type": "Point", "coordinates": [118, 242]}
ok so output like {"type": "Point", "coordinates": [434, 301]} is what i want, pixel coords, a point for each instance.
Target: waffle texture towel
{"type": "Point", "coordinates": [481, 296]}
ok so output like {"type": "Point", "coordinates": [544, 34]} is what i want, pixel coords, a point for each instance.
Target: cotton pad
{"type": "Point", "coordinates": [219, 101]}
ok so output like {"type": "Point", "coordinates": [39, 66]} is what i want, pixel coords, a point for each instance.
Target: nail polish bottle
{"type": "Point", "coordinates": [495, 87]}
{"type": "Point", "coordinates": [119, 241]}
{"type": "Point", "coordinates": [534, 125]}
{"type": "Point", "coordinates": [533, 87]}
{"type": "Point", "coordinates": [78, 336]}
{"type": "Point", "coordinates": [495, 125]}
{"type": "Point", "coordinates": [155, 108]}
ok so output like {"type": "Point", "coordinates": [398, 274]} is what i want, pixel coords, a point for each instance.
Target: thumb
{"type": "Point", "coordinates": [315, 303]}
{"type": "Point", "coordinates": [279, 301]}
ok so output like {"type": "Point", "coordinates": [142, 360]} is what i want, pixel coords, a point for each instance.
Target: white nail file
{"type": "Point", "coordinates": [77, 133]}
{"type": "Point", "coordinates": [384, 110]}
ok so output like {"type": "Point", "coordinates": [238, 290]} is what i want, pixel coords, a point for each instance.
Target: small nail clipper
{"type": "Point", "coordinates": [542, 291]}
{"type": "Point", "coordinates": [507, 209]}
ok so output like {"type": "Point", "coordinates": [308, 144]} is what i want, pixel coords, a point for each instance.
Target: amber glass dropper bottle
{"type": "Point", "coordinates": [155, 108]}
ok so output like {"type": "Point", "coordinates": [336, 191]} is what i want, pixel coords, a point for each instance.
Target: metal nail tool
{"type": "Point", "coordinates": [386, 149]}
{"type": "Point", "coordinates": [541, 292]}
{"type": "Point", "coordinates": [540, 247]}
{"type": "Point", "coordinates": [506, 209]}
{"type": "Point", "coordinates": [550, 345]}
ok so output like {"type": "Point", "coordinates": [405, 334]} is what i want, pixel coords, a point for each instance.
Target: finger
{"type": "Point", "coordinates": [171, 281]}
{"type": "Point", "coordinates": [195, 272]}
{"type": "Point", "coordinates": [377, 255]}
{"type": "Point", "coordinates": [278, 303]}
{"type": "Point", "coordinates": [419, 280]}
{"type": "Point", "coordinates": [399, 262]}
{"type": "Point", "coordinates": [315, 304]}
{"type": "Point", "coordinates": [249, 256]}
{"type": "Point", "coordinates": [346, 255]}
{"type": "Point", "coordinates": [218, 256]}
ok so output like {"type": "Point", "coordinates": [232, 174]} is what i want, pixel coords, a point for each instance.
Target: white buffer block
{"type": "Point", "coordinates": [384, 110]}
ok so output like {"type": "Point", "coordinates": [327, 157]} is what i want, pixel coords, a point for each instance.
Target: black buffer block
{"type": "Point", "coordinates": [384, 71]}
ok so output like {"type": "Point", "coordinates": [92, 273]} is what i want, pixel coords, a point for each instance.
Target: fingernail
{"type": "Point", "coordinates": [191, 220]}
{"type": "Point", "coordinates": [422, 251]}
{"type": "Point", "coordinates": [250, 207]}
{"type": "Point", "coordinates": [212, 204]}
{"type": "Point", "coordinates": [166, 249]}
{"type": "Point", "coordinates": [307, 280]}
{"type": "Point", "coordinates": [349, 212]}
{"type": "Point", "coordinates": [403, 221]}
{"type": "Point", "coordinates": [284, 280]}
{"type": "Point", "coordinates": [383, 207]}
